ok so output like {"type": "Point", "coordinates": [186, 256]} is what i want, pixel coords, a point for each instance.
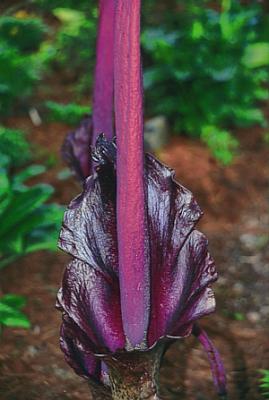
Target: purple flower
{"type": "Point", "coordinates": [180, 266]}
{"type": "Point", "coordinates": [141, 273]}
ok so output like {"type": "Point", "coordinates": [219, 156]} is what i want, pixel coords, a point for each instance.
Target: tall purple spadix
{"type": "Point", "coordinates": [76, 149]}
{"type": "Point", "coordinates": [131, 209]}
{"type": "Point", "coordinates": [104, 70]}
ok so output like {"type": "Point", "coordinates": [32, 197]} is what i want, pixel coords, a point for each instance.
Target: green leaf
{"type": "Point", "coordinates": [5, 192]}
{"type": "Point", "coordinates": [13, 300]}
{"type": "Point", "coordinates": [70, 114]}
{"type": "Point", "coordinates": [71, 19]}
{"type": "Point", "coordinates": [42, 240]}
{"type": "Point", "coordinates": [15, 150]}
{"type": "Point", "coordinates": [18, 321]}
{"type": "Point", "coordinates": [38, 231]}
{"type": "Point", "coordinates": [221, 143]}
{"type": "Point", "coordinates": [27, 173]}
{"type": "Point", "coordinates": [256, 55]}
{"type": "Point", "coordinates": [11, 316]}
{"type": "Point", "coordinates": [23, 204]}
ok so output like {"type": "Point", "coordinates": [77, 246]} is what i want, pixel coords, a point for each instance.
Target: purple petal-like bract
{"type": "Point", "coordinates": [76, 149]}
{"type": "Point", "coordinates": [181, 269]}
{"type": "Point", "coordinates": [78, 353]}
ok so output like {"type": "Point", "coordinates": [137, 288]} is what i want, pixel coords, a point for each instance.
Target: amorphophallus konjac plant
{"type": "Point", "coordinates": [140, 273]}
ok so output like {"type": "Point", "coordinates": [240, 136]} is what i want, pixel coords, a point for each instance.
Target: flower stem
{"type": "Point", "coordinates": [99, 392]}
{"type": "Point", "coordinates": [135, 375]}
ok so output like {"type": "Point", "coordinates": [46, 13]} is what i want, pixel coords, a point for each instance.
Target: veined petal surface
{"type": "Point", "coordinates": [181, 269]}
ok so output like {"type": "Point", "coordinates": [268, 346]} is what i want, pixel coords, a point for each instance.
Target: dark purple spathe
{"type": "Point", "coordinates": [180, 266]}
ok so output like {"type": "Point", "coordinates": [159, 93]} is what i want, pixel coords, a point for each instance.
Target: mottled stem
{"type": "Point", "coordinates": [99, 392]}
{"type": "Point", "coordinates": [135, 375]}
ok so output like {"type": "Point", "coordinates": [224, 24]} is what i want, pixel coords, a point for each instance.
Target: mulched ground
{"type": "Point", "coordinates": [235, 203]}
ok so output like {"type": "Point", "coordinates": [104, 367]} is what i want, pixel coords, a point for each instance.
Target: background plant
{"type": "Point", "coordinates": [27, 223]}
{"type": "Point", "coordinates": [24, 53]}
{"type": "Point", "coordinates": [70, 114]}
{"type": "Point", "coordinates": [76, 36]}
{"type": "Point", "coordinates": [264, 383]}
{"type": "Point", "coordinates": [15, 149]}
{"type": "Point", "coordinates": [10, 312]}
{"type": "Point", "coordinates": [207, 70]}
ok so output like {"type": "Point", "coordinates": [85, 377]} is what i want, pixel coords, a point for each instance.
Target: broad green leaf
{"type": "Point", "coordinates": [13, 300]}
{"type": "Point", "coordinates": [14, 244]}
{"type": "Point", "coordinates": [256, 55]}
{"type": "Point", "coordinates": [48, 216]}
{"type": "Point", "coordinates": [43, 240]}
{"type": "Point", "coordinates": [10, 315]}
{"type": "Point", "coordinates": [23, 204]}
{"type": "Point", "coordinates": [19, 321]}
{"type": "Point", "coordinates": [27, 173]}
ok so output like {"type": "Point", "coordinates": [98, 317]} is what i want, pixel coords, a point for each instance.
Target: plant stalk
{"type": "Point", "coordinates": [135, 375]}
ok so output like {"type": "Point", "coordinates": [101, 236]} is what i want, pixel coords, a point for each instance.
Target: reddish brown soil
{"type": "Point", "coordinates": [235, 202]}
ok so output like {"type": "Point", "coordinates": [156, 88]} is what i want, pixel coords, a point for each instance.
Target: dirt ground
{"type": "Point", "coordinates": [235, 202]}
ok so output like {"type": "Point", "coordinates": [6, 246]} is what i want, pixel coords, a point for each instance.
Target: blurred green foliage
{"type": "Point", "coordinates": [206, 64]}
{"type": "Point", "coordinates": [70, 114]}
{"type": "Point", "coordinates": [75, 45]}
{"type": "Point", "coordinates": [264, 383]}
{"type": "Point", "coordinates": [14, 149]}
{"type": "Point", "coordinates": [25, 34]}
{"type": "Point", "coordinates": [10, 311]}
{"type": "Point", "coordinates": [24, 56]}
{"type": "Point", "coordinates": [48, 5]}
{"type": "Point", "coordinates": [27, 223]}
{"type": "Point", "coordinates": [207, 70]}
{"type": "Point", "coordinates": [221, 143]}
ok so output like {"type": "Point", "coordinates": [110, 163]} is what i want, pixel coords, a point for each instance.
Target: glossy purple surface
{"type": "Point", "coordinates": [131, 197]}
{"type": "Point", "coordinates": [181, 268]}
{"type": "Point", "coordinates": [179, 264]}
{"type": "Point", "coordinates": [78, 353]}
